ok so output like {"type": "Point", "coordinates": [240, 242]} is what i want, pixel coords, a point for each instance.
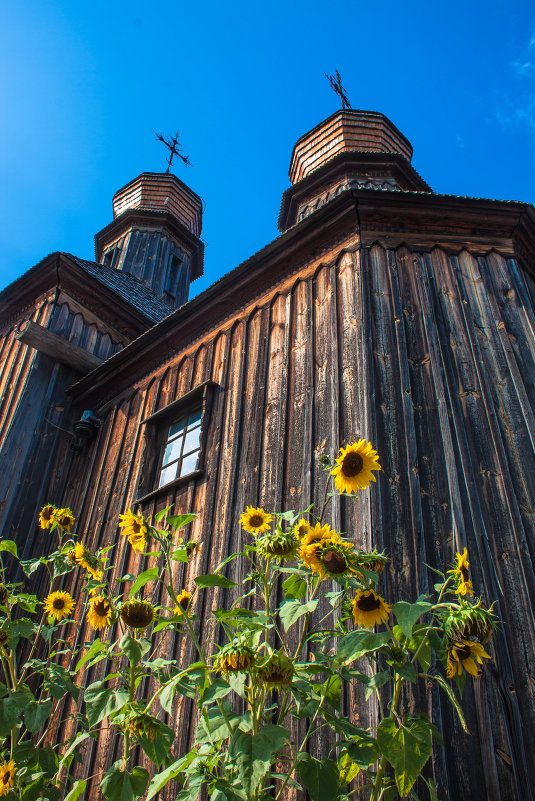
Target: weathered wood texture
{"type": "Point", "coordinates": [41, 339]}
{"type": "Point", "coordinates": [32, 402]}
{"type": "Point", "coordinates": [429, 355]}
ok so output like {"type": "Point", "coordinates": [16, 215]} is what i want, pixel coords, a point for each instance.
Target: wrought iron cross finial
{"type": "Point", "coordinates": [336, 86]}
{"type": "Point", "coordinates": [175, 149]}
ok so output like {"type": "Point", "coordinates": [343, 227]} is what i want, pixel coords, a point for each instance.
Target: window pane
{"type": "Point", "coordinates": [168, 474]}
{"type": "Point", "coordinates": [172, 450]}
{"type": "Point", "coordinates": [191, 441]}
{"type": "Point", "coordinates": [189, 463]}
{"type": "Point", "coordinates": [194, 419]}
{"type": "Point", "coordinates": [177, 428]}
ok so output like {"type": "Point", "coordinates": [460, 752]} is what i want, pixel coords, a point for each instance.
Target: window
{"type": "Point", "coordinates": [112, 257]}
{"type": "Point", "coordinates": [175, 442]}
{"type": "Point", "coordinates": [173, 270]}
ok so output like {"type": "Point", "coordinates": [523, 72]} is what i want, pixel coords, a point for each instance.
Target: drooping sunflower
{"type": "Point", "coordinates": [137, 614]}
{"type": "Point", "coordinates": [470, 620]}
{"type": "Point", "coordinates": [143, 725]}
{"type": "Point", "coordinates": [84, 558]}
{"type": "Point", "coordinates": [7, 776]}
{"type": "Point", "coordinates": [135, 528]}
{"type": "Point", "coordinates": [100, 612]}
{"type": "Point", "coordinates": [59, 604]}
{"type": "Point", "coordinates": [183, 602]}
{"type": "Point", "coordinates": [372, 560]}
{"type": "Point", "coordinates": [369, 609]}
{"type": "Point", "coordinates": [465, 654]}
{"type": "Point", "coordinates": [64, 518]}
{"type": "Point", "coordinates": [255, 520]}
{"type": "Point", "coordinates": [460, 573]}
{"type": "Point", "coordinates": [278, 544]}
{"type": "Point", "coordinates": [276, 672]}
{"type": "Point", "coordinates": [192, 547]}
{"type": "Point", "coordinates": [46, 516]}
{"type": "Point", "coordinates": [235, 657]}
{"type": "Point", "coordinates": [354, 465]}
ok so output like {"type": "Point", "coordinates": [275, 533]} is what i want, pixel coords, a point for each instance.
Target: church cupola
{"type": "Point", "coordinates": [349, 150]}
{"type": "Point", "coordinates": [155, 235]}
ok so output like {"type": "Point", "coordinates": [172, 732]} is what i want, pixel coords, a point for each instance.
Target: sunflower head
{"type": "Point", "coordinates": [470, 622]}
{"type": "Point", "coordinates": [372, 560]}
{"type": "Point", "coordinates": [465, 654]}
{"type": "Point", "coordinates": [64, 518]}
{"type": "Point", "coordinates": [100, 612]}
{"type": "Point", "coordinates": [302, 528]}
{"type": "Point", "coordinates": [279, 544]}
{"type": "Point", "coordinates": [84, 558]}
{"type": "Point", "coordinates": [461, 574]}
{"type": "Point", "coordinates": [46, 516]}
{"type": "Point", "coordinates": [59, 604]}
{"type": "Point", "coordinates": [4, 595]}
{"type": "Point", "coordinates": [255, 520]}
{"type": "Point", "coordinates": [324, 551]}
{"type": "Point", "coordinates": [369, 609]}
{"type": "Point", "coordinates": [142, 725]}
{"type": "Point", "coordinates": [334, 561]}
{"type": "Point", "coordinates": [183, 603]}
{"type": "Point", "coordinates": [276, 672]}
{"type": "Point", "coordinates": [135, 528]}
{"type": "Point", "coordinates": [236, 657]}
{"type": "Point", "coordinates": [192, 547]}
{"type": "Point", "coordinates": [354, 465]}
{"type": "Point", "coordinates": [137, 614]}
{"type": "Point", "coordinates": [7, 776]}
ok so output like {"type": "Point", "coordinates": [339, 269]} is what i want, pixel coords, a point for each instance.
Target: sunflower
{"type": "Point", "coordinates": [460, 573]}
{"type": "Point", "coordinates": [235, 657]}
{"type": "Point", "coordinates": [84, 558]}
{"type": "Point", "coordinates": [183, 602]}
{"type": "Point", "coordinates": [46, 516]}
{"type": "Point", "coordinates": [143, 725]}
{"type": "Point", "coordinates": [100, 612]}
{"type": "Point", "coordinates": [255, 520]}
{"type": "Point", "coordinates": [276, 672]}
{"type": "Point", "coordinates": [7, 776]}
{"type": "Point", "coordinates": [302, 528]}
{"type": "Point", "coordinates": [135, 528]}
{"type": "Point", "coordinates": [354, 465]}
{"type": "Point", "coordinates": [470, 621]}
{"type": "Point", "coordinates": [372, 560]}
{"type": "Point", "coordinates": [465, 654]}
{"type": "Point", "coordinates": [369, 608]}
{"type": "Point", "coordinates": [279, 544]}
{"type": "Point", "coordinates": [192, 547]}
{"type": "Point", "coordinates": [59, 604]}
{"type": "Point", "coordinates": [318, 542]}
{"type": "Point", "coordinates": [137, 614]}
{"type": "Point", "coordinates": [64, 518]}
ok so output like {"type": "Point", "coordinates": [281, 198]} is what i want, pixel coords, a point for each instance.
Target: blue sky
{"type": "Point", "coordinates": [85, 83]}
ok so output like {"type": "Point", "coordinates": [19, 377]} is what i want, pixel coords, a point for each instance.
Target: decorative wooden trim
{"type": "Point", "coordinates": [45, 341]}
{"type": "Point", "coordinates": [176, 482]}
{"type": "Point", "coordinates": [180, 405]}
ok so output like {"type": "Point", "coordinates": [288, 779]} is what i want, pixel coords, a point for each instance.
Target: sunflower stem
{"type": "Point", "coordinates": [377, 784]}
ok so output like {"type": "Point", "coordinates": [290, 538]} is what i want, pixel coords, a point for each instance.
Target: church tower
{"type": "Point", "coordinates": [155, 235]}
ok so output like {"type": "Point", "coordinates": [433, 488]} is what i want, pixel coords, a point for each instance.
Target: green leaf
{"type": "Point", "coordinates": [161, 514]}
{"type": "Point", "coordinates": [158, 747]}
{"type": "Point", "coordinates": [148, 575]}
{"type": "Point", "coordinates": [159, 780]}
{"type": "Point", "coordinates": [180, 555]}
{"type": "Point", "coordinates": [294, 588]}
{"type": "Point", "coordinates": [291, 611]}
{"type": "Point", "coordinates": [218, 728]}
{"type": "Point", "coordinates": [253, 754]}
{"type": "Point", "coordinates": [407, 670]}
{"type": "Point", "coordinates": [73, 746]}
{"type": "Point", "coordinates": [97, 647]}
{"type": "Point", "coordinates": [191, 792]}
{"type": "Point", "coordinates": [408, 614]}
{"type": "Point", "coordinates": [448, 689]}
{"type": "Point", "coordinates": [218, 689]}
{"type": "Point", "coordinates": [101, 701]}
{"type": "Point", "coordinates": [131, 648]}
{"type": "Point", "coordinates": [364, 752]}
{"type": "Point", "coordinates": [76, 791]}
{"type": "Point", "coordinates": [357, 643]}
{"type": "Point", "coordinates": [30, 565]}
{"type": "Point", "coordinates": [179, 521]}
{"type": "Point", "coordinates": [36, 713]}
{"type": "Point", "coordinates": [119, 785]}
{"type": "Point", "coordinates": [10, 708]}
{"type": "Point", "coordinates": [320, 777]}
{"type": "Point", "coordinates": [347, 768]}
{"type": "Point", "coordinates": [407, 748]}
{"type": "Point", "coordinates": [214, 580]}
{"type": "Point", "coordinates": [332, 689]}
{"type": "Point", "coordinates": [376, 681]}
{"type": "Point", "coordinates": [9, 546]}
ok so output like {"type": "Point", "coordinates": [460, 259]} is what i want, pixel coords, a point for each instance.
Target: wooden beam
{"type": "Point", "coordinates": [45, 341]}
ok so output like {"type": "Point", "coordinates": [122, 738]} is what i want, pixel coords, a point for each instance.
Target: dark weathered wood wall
{"type": "Point", "coordinates": [32, 401]}
{"type": "Point", "coordinates": [429, 355]}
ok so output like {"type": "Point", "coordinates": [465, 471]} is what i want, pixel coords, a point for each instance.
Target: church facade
{"type": "Point", "coordinates": [383, 310]}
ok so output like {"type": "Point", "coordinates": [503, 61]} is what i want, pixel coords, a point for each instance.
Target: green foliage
{"type": "Point", "coordinates": [407, 748]}
{"type": "Point", "coordinates": [120, 785]}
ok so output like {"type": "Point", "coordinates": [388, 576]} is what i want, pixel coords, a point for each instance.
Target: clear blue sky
{"type": "Point", "coordinates": [85, 83]}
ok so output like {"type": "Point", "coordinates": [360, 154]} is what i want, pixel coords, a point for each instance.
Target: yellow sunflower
{"type": "Point", "coordinates": [64, 518]}
{"type": "Point", "coordinates": [320, 541]}
{"type": "Point", "coordinates": [460, 573]}
{"type": "Point", "coordinates": [100, 612]}
{"type": "Point", "coordinates": [354, 465]}
{"type": "Point", "coordinates": [7, 776]}
{"type": "Point", "coordinates": [46, 516]}
{"type": "Point", "coordinates": [135, 528]}
{"type": "Point", "coordinates": [302, 528]}
{"type": "Point", "coordinates": [465, 654]}
{"type": "Point", "coordinates": [183, 602]}
{"type": "Point", "coordinates": [369, 609]}
{"type": "Point", "coordinates": [85, 559]}
{"type": "Point", "coordinates": [255, 520]}
{"type": "Point", "coordinates": [59, 604]}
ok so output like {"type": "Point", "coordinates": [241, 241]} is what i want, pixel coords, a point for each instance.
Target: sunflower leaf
{"type": "Point", "coordinates": [120, 785]}
{"type": "Point", "coordinates": [101, 701]}
{"type": "Point", "coordinates": [179, 521]}
{"type": "Point", "coordinates": [9, 546]}
{"type": "Point", "coordinates": [408, 614]}
{"type": "Point", "coordinates": [76, 790]}
{"type": "Point", "coordinates": [295, 588]}
{"type": "Point", "coordinates": [453, 699]}
{"type": "Point", "coordinates": [148, 575]}
{"type": "Point", "coordinates": [320, 777]}
{"type": "Point", "coordinates": [407, 748]}
{"type": "Point", "coordinates": [291, 611]}
{"type": "Point", "coordinates": [96, 648]}
{"type": "Point", "coordinates": [161, 514]}
{"type": "Point", "coordinates": [357, 643]}
{"type": "Point", "coordinates": [159, 780]}
{"type": "Point", "coordinates": [213, 580]}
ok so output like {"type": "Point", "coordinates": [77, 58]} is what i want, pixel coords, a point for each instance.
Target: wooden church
{"type": "Point", "coordinates": [383, 310]}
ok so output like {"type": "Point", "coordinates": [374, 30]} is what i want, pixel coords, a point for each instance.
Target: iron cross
{"type": "Point", "coordinates": [172, 144]}
{"type": "Point", "coordinates": [336, 86]}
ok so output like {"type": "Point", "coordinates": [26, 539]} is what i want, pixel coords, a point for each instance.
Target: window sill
{"type": "Point", "coordinates": [177, 482]}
